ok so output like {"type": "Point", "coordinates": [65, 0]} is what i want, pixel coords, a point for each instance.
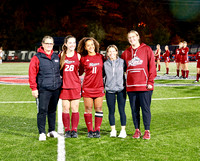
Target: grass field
{"type": "Point", "coordinates": [175, 126]}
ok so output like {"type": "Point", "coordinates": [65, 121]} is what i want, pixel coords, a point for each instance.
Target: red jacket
{"type": "Point", "coordinates": [34, 68]}
{"type": "Point", "coordinates": [141, 69]}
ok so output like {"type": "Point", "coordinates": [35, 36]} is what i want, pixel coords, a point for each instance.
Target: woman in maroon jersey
{"type": "Point", "coordinates": [71, 88]}
{"type": "Point", "coordinates": [93, 87]}
{"type": "Point", "coordinates": [157, 56]}
{"type": "Point", "coordinates": [185, 60]}
{"type": "Point", "coordinates": [178, 58]}
{"type": "Point", "coordinates": [141, 72]}
{"type": "Point", "coordinates": [198, 66]}
{"type": "Point", "coordinates": [166, 59]}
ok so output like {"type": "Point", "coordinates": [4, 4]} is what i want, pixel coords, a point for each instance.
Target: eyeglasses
{"type": "Point", "coordinates": [48, 43]}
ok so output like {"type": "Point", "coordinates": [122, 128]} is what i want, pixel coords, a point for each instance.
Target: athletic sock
{"type": "Point", "coordinates": [187, 73]}
{"type": "Point", "coordinates": [158, 67]}
{"type": "Point", "coordinates": [167, 70]}
{"type": "Point", "coordinates": [198, 77]}
{"type": "Point", "coordinates": [98, 120]}
{"type": "Point", "coordinates": [88, 121]}
{"type": "Point", "coordinates": [177, 72]}
{"type": "Point", "coordinates": [75, 120]}
{"type": "Point", "coordinates": [66, 121]}
{"type": "Point", "coordinates": [182, 73]}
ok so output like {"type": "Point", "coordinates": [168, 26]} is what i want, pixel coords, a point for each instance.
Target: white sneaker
{"type": "Point", "coordinates": [122, 134]}
{"type": "Point", "coordinates": [42, 137]}
{"type": "Point", "coordinates": [113, 133]}
{"type": "Point", "coordinates": [52, 134]}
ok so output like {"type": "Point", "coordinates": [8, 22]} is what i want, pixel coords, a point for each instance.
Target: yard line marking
{"type": "Point", "coordinates": [61, 138]}
{"type": "Point", "coordinates": [17, 102]}
{"type": "Point", "coordinates": [177, 98]}
{"type": "Point", "coordinates": [154, 99]}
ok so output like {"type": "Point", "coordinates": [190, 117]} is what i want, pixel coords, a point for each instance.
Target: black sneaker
{"type": "Point", "coordinates": [96, 134]}
{"type": "Point", "coordinates": [67, 134]}
{"type": "Point", "coordinates": [90, 134]}
{"type": "Point", "coordinates": [74, 134]}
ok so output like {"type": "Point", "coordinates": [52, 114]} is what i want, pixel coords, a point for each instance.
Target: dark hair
{"type": "Point", "coordinates": [81, 45]}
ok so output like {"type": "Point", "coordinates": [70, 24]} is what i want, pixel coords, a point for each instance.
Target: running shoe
{"type": "Point", "coordinates": [137, 134]}
{"type": "Point", "coordinates": [146, 135]}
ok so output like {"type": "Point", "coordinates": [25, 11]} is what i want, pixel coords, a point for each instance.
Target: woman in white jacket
{"type": "Point", "coordinates": [114, 68]}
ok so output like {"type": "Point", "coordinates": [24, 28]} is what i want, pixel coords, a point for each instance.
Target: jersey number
{"type": "Point", "coordinates": [94, 70]}
{"type": "Point", "coordinates": [69, 68]}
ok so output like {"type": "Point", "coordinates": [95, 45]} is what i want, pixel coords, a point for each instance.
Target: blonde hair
{"type": "Point", "coordinates": [112, 46]}
{"type": "Point", "coordinates": [135, 32]}
{"type": "Point", "coordinates": [64, 51]}
{"type": "Point", "coordinates": [81, 45]}
{"type": "Point", "coordinates": [47, 37]}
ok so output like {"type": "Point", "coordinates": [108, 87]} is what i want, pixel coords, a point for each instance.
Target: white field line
{"type": "Point", "coordinates": [153, 99]}
{"type": "Point", "coordinates": [61, 138]}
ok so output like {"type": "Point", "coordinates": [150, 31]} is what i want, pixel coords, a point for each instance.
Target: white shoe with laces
{"type": "Point", "coordinates": [52, 134]}
{"type": "Point", "coordinates": [122, 134]}
{"type": "Point", "coordinates": [113, 133]}
{"type": "Point", "coordinates": [42, 137]}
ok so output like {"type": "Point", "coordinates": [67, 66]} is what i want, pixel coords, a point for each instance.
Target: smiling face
{"type": "Point", "coordinates": [133, 39]}
{"type": "Point", "coordinates": [71, 44]}
{"type": "Point", "coordinates": [89, 46]}
{"type": "Point", "coordinates": [112, 53]}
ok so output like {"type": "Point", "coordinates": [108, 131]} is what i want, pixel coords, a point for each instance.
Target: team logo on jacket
{"type": "Point", "coordinates": [135, 61]}
{"type": "Point", "coordinates": [56, 60]}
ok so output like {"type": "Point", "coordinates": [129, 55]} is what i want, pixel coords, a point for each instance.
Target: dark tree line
{"type": "Point", "coordinates": [24, 23]}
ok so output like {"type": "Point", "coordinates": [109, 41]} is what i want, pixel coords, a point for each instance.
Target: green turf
{"type": "Point", "coordinates": [174, 127]}
{"type": "Point", "coordinates": [22, 68]}
{"type": "Point", "coordinates": [14, 68]}
{"type": "Point", "coordinates": [174, 130]}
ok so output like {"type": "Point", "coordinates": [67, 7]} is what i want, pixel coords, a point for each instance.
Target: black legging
{"type": "Point", "coordinates": [121, 100]}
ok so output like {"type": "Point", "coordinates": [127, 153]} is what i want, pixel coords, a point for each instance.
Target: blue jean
{"type": "Point", "coordinates": [121, 100]}
{"type": "Point", "coordinates": [141, 99]}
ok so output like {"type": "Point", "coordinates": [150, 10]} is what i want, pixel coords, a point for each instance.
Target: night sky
{"type": "Point", "coordinates": [24, 23]}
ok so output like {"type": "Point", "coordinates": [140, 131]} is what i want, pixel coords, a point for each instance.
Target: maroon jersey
{"type": "Point", "coordinates": [93, 67]}
{"type": "Point", "coordinates": [184, 55]}
{"type": "Point", "coordinates": [70, 72]}
{"type": "Point", "coordinates": [178, 55]}
{"type": "Point", "coordinates": [157, 54]}
{"type": "Point", "coordinates": [198, 59]}
{"type": "Point", "coordinates": [166, 56]}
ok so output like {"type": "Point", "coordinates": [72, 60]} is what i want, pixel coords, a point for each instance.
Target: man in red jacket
{"type": "Point", "coordinates": [141, 72]}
